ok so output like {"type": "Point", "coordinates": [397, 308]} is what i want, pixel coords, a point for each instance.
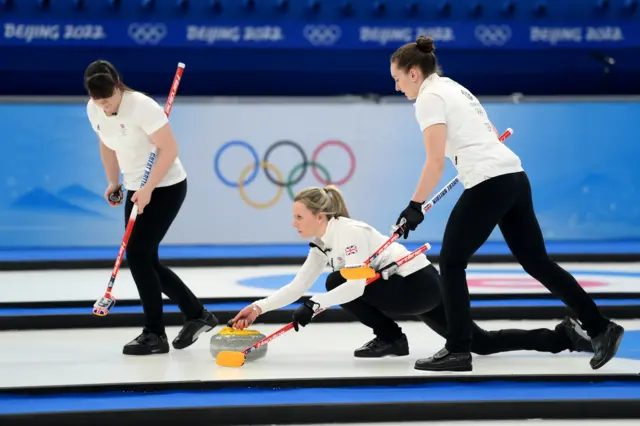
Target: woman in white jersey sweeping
{"type": "Point", "coordinates": [496, 192]}
{"type": "Point", "coordinates": [128, 124]}
{"type": "Point", "coordinates": [337, 240]}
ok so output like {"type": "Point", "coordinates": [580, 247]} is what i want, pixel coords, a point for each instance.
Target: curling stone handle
{"type": "Point", "coordinates": [230, 323]}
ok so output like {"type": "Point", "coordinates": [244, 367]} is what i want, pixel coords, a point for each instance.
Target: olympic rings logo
{"type": "Point", "coordinates": [275, 175]}
{"type": "Point", "coordinates": [493, 35]}
{"type": "Point", "coordinates": [322, 35]}
{"type": "Point", "coordinates": [147, 33]}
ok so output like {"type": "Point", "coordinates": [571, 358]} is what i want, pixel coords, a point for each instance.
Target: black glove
{"type": "Point", "coordinates": [302, 316]}
{"type": "Point", "coordinates": [413, 217]}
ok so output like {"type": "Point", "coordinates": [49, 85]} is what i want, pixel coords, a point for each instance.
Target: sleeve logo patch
{"type": "Point", "coordinates": [351, 250]}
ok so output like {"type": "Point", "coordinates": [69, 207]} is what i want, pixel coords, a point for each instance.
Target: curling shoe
{"type": "Point", "coordinates": [580, 341]}
{"type": "Point", "coordinates": [378, 348]}
{"type": "Point", "coordinates": [444, 360]}
{"type": "Point", "coordinates": [193, 328]}
{"type": "Point", "coordinates": [606, 344]}
{"type": "Point", "coordinates": [147, 344]}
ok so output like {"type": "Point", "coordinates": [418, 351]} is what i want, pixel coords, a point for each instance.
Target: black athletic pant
{"type": "Point", "coordinates": [151, 277]}
{"type": "Point", "coordinates": [505, 201]}
{"type": "Point", "coordinates": [419, 294]}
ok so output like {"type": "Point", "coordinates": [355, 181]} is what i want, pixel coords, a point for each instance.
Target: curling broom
{"type": "Point", "coordinates": [104, 305]}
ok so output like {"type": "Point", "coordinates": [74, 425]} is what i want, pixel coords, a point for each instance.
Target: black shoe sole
{"type": "Point", "coordinates": [393, 354]}
{"type": "Point", "coordinates": [612, 350]}
{"type": "Point", "coordinates": [454, 368]}
{"type": "Point", "coordinates": [141, 352]}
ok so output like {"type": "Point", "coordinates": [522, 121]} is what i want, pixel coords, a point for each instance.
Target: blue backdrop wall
{"type": "Point", "coordinates": [580, 155]}
{"type": "Point", "coordinates": [581, 158]}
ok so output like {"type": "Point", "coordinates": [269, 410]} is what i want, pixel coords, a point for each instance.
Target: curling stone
{"type": "Point", "coordinates": [230, 339]}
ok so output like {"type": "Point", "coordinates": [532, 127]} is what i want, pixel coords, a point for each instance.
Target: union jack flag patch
{"type": "Point", "coordinates": [351, 250]}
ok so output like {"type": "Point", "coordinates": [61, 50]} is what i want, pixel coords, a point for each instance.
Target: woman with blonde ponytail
{"type": "Point", "coordinates": [321, 214]}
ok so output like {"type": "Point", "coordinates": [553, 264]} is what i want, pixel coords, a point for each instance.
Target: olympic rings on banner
{"type": "Point", "coordinates": [352, 159]}
{"type": "Point", "coordinates": [216, 163]}
{"type": "Point", "coordinates": [304, 162]}
{"type": "Point", "coordinates": [300, 166]}
{"type": "Point", "coordinates": [295, 176]}
{"type": "Point", "coordinates": [244, 196]}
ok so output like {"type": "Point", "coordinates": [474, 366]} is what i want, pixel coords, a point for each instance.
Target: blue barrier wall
{"type": "Point", "coordinates": [581, 157]}
{"type": "Point", "coordinates": [323, 47]}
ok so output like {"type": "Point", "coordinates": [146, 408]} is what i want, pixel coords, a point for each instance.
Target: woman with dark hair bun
{"type": "Point", "coordinates": [129, 124]}
{"type": "Point", "coordinates": [497, 191]}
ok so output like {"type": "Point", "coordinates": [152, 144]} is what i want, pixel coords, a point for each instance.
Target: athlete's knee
{"type": "Point", "coordinates": [454, 248]}
{"type": "Point", "coordinates": [139, 255]}
{"type": "Point", "coordinates": [481, 342]}
{"type": "Point", "coordinates": [334, 280]}
{"type": "Point", "coordinates": [451, 261]}
{"type": "Point", "coordinates": [536, 265]}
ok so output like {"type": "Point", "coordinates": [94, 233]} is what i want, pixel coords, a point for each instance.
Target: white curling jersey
{"type": "Point", "coordinates": [350, 242]}
{"type": "Point", "coordinates": [127, 133]}
{"type": "Point", "coordinates": [472, 144]}
{"type": "Point", "coordinates": [345, 242]}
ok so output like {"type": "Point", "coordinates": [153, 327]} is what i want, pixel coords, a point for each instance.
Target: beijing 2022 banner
{"type": "Point", "coordinates": [28, 31]}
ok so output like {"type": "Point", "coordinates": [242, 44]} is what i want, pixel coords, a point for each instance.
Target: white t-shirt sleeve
{"type": "Point", "coordinates": [354, 246]}
{"type": "Point", "coordinates": [304, 279]}
{"type": "Point", "coordinates": [91, 116]}
{"type": "Point", "coordinates": [430, 109]}
{"type": "Point", "coordinates": [149, 115]}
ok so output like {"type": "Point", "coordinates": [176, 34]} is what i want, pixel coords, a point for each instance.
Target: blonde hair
{"type": "Point", "coordinates": [327, 200]}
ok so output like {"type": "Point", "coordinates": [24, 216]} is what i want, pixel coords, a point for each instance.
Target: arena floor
{"type": "Point", "coordinates": [76, 367]}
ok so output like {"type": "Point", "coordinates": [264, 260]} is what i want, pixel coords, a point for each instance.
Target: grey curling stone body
{"type": "Point", "coordinates": [229, 339]}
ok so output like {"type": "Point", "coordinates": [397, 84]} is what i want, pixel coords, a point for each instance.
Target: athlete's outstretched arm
{"type": "Point", "coordinates": [309, 272]}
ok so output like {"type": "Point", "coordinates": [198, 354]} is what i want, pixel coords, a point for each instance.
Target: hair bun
{"type": "Point", "coordinates": [425, 44]}
{"type": "Point", "coordinates": [100, 79]}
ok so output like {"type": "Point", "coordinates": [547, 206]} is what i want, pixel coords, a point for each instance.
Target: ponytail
{"type": "Point", "coordinates": [338, 207]}
{"type": "Point", "coordinates": [327, 200]}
